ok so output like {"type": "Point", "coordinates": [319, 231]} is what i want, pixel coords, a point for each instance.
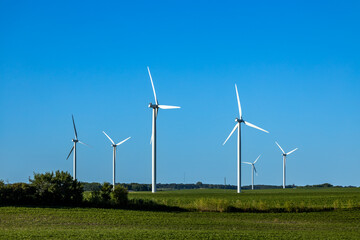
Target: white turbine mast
{"type": "Point", "coordinates": [76, 140]}
{"type": "Point", "coordinates": [284, 162]}
{"type": "Point", "coordinates": [114, 154]}
{"type": "Point", "coordinates": [155, 108]}
{"type": "Point", "coordinates": [253, 169]}
{"type": "Point", "coordinates": [238, 126]}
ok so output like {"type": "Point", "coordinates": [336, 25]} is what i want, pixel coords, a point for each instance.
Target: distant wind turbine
{"type": "Point", "coordinates": [76, 140]}
{"type": "Point", "coordinates": [252, 171]}
{"type": "Point", "coordinates": [155, 108]}
{"type": "Point", "coordinates": [114, 154]}
{"type": "Point", "coordinates": [238, 126]}
{"type": "Point", "coordinates": [284, 162]}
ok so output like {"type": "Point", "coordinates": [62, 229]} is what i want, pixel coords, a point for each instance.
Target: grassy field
{"type": "Point", "coordinates": [279, 200]}
{"type": "Point", "coordinates": [91, 223]}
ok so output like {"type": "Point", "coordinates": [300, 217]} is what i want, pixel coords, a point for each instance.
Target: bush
{"type": "Point", "coordinates": [105, 192]}
{"type": "Point", "coordinates": [57, 189]}
{"type": "Point", "coordinates": [95, 198]}
{"type": "Point", "coordinates": [17, 194]}
{"type": "Point", "coordinates": [120, 195]}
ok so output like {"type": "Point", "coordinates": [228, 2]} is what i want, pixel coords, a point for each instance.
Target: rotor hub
{"type": "Point", "coordinates": [239, 120]}
{"type": "Point", "coordinates": [75, 140]}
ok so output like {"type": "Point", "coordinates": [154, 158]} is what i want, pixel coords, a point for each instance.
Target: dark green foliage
{"type": "Point", "coordinates": [95, 198]}
{"type": "Point", "coordinates": [17, 193]}
{"type": "Point", "coordinates": [120, 195]}
{"type": "Point", "coordinates": [44, 189]}
{"type": "Point", "coordinates": [56, 189]}
{"type": "Point", "coordinates": [105, 192]}
{"type": "Point", "coordinates": [324, 185]}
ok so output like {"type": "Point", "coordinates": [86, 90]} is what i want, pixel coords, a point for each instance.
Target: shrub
{"type": "Point", "coordinates": [17, 193]}
{"type": "Point", "coordinates": [57, 189]}
{"type": "Point", "coordinates": [120, 195]}
{"type": "Point", "coordinates": [105, 192]}
{"type": "Point", "coordinates": [95, 198]}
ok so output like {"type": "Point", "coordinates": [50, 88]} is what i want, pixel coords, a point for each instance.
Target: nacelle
{"type": "Point", "coordinates": [152, 105]}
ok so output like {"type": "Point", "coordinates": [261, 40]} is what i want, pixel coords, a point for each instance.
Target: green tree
{"type": "Point", "coordinates": [105, 192]}
{"type": "Point", "coordinates": [58, 188]}
{"type": "Point", "coordinates": [120, 195]}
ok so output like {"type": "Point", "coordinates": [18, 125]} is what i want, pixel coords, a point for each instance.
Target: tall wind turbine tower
{"type": "Point", "coordinates": [238, 126]}
{"type": "Point", "coordinates": [253, 169]}
{"type": "Point", "coordinates": [76, 140]}
{"type": "Point", "coordinates": [284, 162]}
{"type": "Point", "coordinates": [114, 154]}
{"type": "Point", "coordinates": [155, 108]}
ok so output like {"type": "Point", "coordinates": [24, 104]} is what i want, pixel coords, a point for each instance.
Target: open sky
{"type": "Point", "coordinates": [296, 64]}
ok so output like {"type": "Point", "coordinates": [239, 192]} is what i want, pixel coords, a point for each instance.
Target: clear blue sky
{"type": "Point", "coordinates": [296, 64]}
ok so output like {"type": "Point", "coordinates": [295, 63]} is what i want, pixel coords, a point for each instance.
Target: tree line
{"type": "Point", "coordinates": [60, 189]}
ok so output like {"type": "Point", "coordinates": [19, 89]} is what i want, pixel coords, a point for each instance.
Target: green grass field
{"type": "Point", "coordinates": [287, 200]}
{"type": "Point", "coordinates": [91, 223]}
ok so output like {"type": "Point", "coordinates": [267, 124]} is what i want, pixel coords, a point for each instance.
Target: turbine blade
{"type": "Point", "coordinates": [84, 144]}
{"type": "Point", "coordinates": [280, 147]}
{"type": "Point", "coordinates": [231, 133]}
{"type": "Point", "coordinates": [76, 137]}
{"type": "Point", "coordinates": [238, 100]}
{"type": "Point", "coordinates": [109, 137]}
{"type": "Point", "coordinates": [152, 84]}
{"type": "Point", "coordinates": [292, 151]}
{"type": "Point", "coordinates": [255, 169]}
{"type": "Point", "coordinates": [168, 107]}
{"type": "Point", "coordinates": [123, 141]}
{"type": "Point", "coordinates": [247, 163]}
{"type": "Point", "coordinates": [257, 158]}
{"type": "Point", "coordinates": [252, 125]}
{"type": "Point", "coordinates": [70, 153]}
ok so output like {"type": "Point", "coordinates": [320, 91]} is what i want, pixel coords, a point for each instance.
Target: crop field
{"type": "Point", "coordinates": [196, 223]}
{"type": "Point", "coordinates": [279, 200]}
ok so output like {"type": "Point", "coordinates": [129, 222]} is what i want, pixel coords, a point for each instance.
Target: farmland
{"type": "Point", "coordinates": [278, 200]}
{"type": "Point", "coordinates": [94, 223]}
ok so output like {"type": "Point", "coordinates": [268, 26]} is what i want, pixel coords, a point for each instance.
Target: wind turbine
{"type": "Point", "coordinates": [252, 171]}
{"type": "Point", "coordinates": [284, 162]}
{"type": "Point", "coordinates": [155, 108]}
{"type": "Point", "coordinates": [76, 140]}
{"type": "Point", "coordinates": [114, 154]}
{"type": "Point", "coordinates": [238, 126]}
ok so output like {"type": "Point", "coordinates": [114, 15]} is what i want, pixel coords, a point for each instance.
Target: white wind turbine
{"type": "Point", "coordinates": [252, 171]}
{"type": "Point", "coordinates": [284, 162]}
{"type": "Point", "coordinates": [238, 126]}
{"type": "Point", "coordinates": [76, 140]}
{"type": "Point", "coordinates": [155, 108]}
{"type": "Point", "coordinates": [114, 154]}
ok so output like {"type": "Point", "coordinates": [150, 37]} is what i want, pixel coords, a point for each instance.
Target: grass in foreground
{"type": "Point", "coordinates": [91, 223]}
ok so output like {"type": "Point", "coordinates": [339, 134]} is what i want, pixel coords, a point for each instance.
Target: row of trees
{"type": "Point", "coordinates": [60, 189]}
